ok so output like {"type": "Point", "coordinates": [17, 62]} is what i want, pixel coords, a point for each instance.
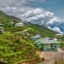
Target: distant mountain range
{"type": "Point", "coordinates": [55, 26]}
{"type": "Point", "coordinates": [45, 18]}
{"type": "Point", "coordinates": [42, 17]}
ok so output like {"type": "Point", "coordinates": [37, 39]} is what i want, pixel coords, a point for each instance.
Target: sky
{"type": "Point", "coordinates": [55, 6]}
{"type": "Point", "coordinates": [36, 11]}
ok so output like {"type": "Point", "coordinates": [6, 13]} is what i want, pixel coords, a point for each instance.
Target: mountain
{"type": "Point", "coordinates": [43, 30]}
{"type": "Point", "coordinates": [14, 47]}
{"type": "Point", "coordinates": [45, 18]}
{"type": "Point", "coordinates": [5, 19]}
{"type": "Point", "coordinates": [16, 44]}
{"type": "Point", "coordinates": [55, 26]}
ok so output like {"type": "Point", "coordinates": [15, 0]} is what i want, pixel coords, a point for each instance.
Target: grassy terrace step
{"type": "Point", "coordinates": [10, 51]}
{"type": "Point", "coordinates": [10, 54]}
{"type": "Point", "coordinates": [20, 60]}
{"type": "Point", "coordinates": [13, 53]}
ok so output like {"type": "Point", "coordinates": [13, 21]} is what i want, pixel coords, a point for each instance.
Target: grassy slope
{"type": "Point", "coordinates": [42, 30]}
{"type": "Point", "coordinates": [14, 47]}
{"type": "Point", "coordinates": [15, 43]}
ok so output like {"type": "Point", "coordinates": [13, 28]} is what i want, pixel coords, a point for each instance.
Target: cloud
{"type": "Point", "coordinates": [35, 12]}
{"type": "Point", "coordinates": [24, 8]}
{"type": "Point", "coordinates": [32, 12]}
{"type": "Point", "coordinates": [12, 3]}
{"type": "Point", "coordinates": [54, 19]}
{"type": "Point", "coordinates": [57, 29]}
{"type": "Point", "coordinates": [39, 15]}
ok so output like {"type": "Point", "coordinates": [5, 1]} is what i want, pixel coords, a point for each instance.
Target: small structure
{"type": "Point", "coordinates": [47, 44]}
{"type": "Point", "coordinates": [1, 25]}
{"type": "Point", "coordinates": [37, 36]}
{"type": "Point", "coordinates": [19, 24]}
{"type": "Point", "coordinates": [60, 34]}
{"type": "Point", "coordinates": [1, 30]}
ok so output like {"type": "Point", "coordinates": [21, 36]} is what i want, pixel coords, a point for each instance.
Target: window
{"type": "Point", "coordinates": [47, 47]}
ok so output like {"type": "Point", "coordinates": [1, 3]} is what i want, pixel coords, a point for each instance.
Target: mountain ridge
{"type": "Point", "coordinates": [16, 44]}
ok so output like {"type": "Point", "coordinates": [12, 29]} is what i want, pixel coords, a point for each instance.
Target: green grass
{"type": "Point", "coordinates": [16, 44]}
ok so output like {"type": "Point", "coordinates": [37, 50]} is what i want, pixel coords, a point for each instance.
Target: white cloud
{"type": "Point", "coordinates": [57, 29]}
{"type": "Point", "coordinates": [48, 13]}
{"type": "Point", "coordinates": [32, 12]}
{"type": "Point", "coordinates": [19, 2]}
{"type": "Point", "coordinates": [33, 15]}
{"type": "Point", "coordinates": [20, 9]}
{"type": "Point", "coordinates": [54, 19]}
{"type": "Point", "coordinates": [36, 13]}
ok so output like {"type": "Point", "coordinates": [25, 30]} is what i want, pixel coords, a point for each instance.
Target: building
{"type": "Point", "coordinates": [47, 44]}
{"type": "Point", "coordinates": [19, 24]}
{"type": "Point", "coordinates": [37, 36]}
{"type": "Point", "coordinates": [1, 30]}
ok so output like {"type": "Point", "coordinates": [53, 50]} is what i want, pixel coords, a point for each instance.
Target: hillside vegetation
{"type": "Point", "coordinates": [14, 47]}
{"type": "Point", "coordinates": [15, 41]}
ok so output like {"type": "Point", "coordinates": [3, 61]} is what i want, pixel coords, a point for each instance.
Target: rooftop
{"type": "Point", "coordinates": [46, 40]}
{"type": "Point", "coordinates": [36, 36]}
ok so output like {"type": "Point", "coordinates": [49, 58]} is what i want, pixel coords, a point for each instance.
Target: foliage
{"type": "Point", "coordinates": [15, 43]}
{"type": "Point", "coordinates": [14, 48]}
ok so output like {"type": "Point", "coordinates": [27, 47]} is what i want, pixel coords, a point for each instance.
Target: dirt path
{"type": "Point", "coordinates": [48, 56]}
